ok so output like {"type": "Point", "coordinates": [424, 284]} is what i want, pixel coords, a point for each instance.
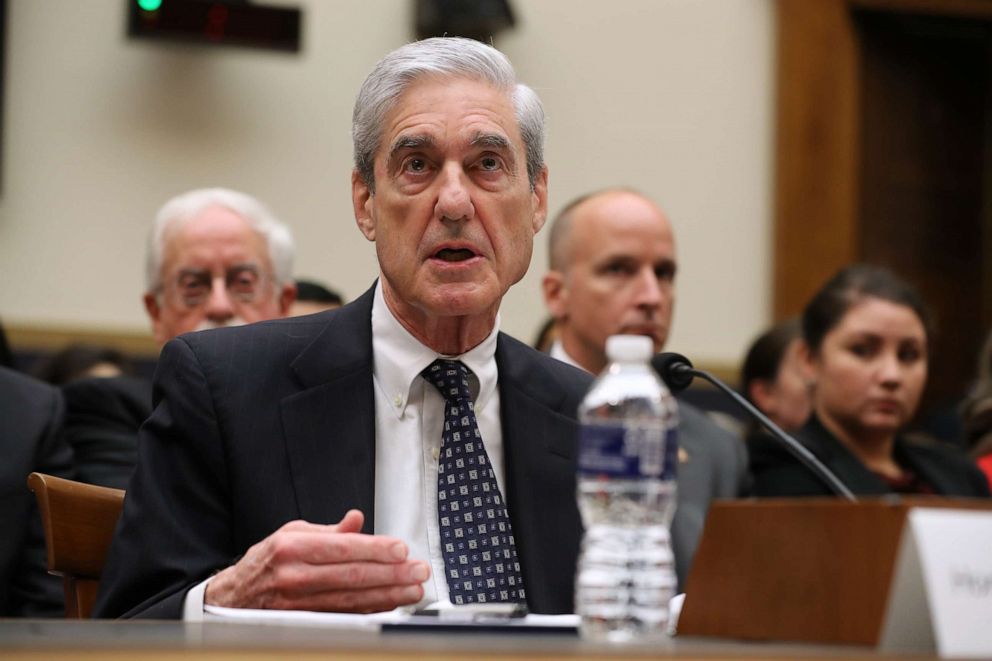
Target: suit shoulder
{"type": "Point", "coordinates": [522, 354]}
{"type": "Point", "coordinates": [259, 342]}
{"type": "Point", "coordinates": [27, 398]}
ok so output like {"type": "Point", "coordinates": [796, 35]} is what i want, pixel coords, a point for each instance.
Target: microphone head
{"type": "Point", "coordinates": [674, 369]}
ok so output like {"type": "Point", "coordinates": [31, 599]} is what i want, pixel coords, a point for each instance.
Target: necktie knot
{"type": "Point", "coordinates": [450, 377]}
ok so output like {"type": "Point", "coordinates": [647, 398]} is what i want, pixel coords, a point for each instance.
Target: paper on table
{"type": "Point", "coordinates": [371, 622]}
{"type": "Point", "coordinates": [374, 621]}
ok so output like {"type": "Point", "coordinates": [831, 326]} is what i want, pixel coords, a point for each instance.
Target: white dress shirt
{"type": "Point", "coordinates": [558, 353]}
{"type": "Point", "coordinates": [409, 418]}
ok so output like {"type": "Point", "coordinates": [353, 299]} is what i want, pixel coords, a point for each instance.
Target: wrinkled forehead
{"type": "Point", "coordinates": [216, 238]}
{"type": "Point", "coordinates": [423, 93]}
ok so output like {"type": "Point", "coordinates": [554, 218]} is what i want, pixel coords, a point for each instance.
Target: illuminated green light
{"type": "Point", "coordinates": [150, 5]}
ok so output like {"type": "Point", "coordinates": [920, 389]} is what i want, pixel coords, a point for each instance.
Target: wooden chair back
{"type": "Point", "coordinates": [79, 521]}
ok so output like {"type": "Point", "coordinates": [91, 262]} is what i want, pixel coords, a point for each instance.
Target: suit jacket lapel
{"type": "Point", "coordinates": [539, 447]}
{"type": "Point", "coordinates": [330, 424]}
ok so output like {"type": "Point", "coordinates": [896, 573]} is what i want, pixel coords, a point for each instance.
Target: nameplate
{"type": "Point", "coordinates": [941, 596]}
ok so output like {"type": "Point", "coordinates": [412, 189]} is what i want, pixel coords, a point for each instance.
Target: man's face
{"type": "Point", "coordinates": [619, 278]}
{"type": "Point", "coordinates": [453, 215]}
{"type": "Point", "coordinates": [215, 272]}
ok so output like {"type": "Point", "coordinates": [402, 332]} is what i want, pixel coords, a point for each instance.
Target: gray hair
{"type": "Point", "coordinates": [185, 207]}
{"type": "Point", "coordinates": [441, 57]}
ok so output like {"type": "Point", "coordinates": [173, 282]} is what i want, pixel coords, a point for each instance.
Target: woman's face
{"type": "Point", "coordinates": [870, 369]}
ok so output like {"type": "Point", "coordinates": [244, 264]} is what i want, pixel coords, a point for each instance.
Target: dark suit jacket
{"type": "Point", "coordinates": [260, 425]}
{"type": "Point", "coordinates": [30, 440]}
{"type": "Point", "coordinates": [102, 419]}
{"type": "Point", "coordinates": [776, 473]}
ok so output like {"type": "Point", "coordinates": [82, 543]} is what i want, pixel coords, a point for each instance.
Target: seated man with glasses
{"type": "Point", "coordinates": [215, 258]}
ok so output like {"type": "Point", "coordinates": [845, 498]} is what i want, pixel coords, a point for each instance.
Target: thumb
{"type": "Point", "coordinates": [351, 522]}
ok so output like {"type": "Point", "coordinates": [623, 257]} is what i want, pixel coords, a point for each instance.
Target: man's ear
{"type": "Point", "coordinates": [540, 194]}
{"type": "Point", "coordinates": [361, 200]}
{"type": "Point", "coordinates": [155, 315]}
{"type": "Point", "coordinates": [286, 297]}
{"type": "Point", "coordinates": [555, 293]}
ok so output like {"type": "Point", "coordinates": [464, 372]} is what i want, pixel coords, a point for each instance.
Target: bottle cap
{"type": "Point", "coordinates": [629, 348]}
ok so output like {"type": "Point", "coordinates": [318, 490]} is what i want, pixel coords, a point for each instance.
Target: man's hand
{"type": "Point", "coordinates": [305, 566]}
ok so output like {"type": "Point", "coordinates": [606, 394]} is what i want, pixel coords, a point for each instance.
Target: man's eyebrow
{"type": "Point", "coordinates": [494, 140]}
{"type": "Point", "coordinates": [410, 142]}
{"type": "Point", "coordinates": [193, 272]}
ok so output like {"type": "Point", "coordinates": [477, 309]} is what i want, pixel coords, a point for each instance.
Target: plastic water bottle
{"type": "Point", "coordinates": [628, 453]}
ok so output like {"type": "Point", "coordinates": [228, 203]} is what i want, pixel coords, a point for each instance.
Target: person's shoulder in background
{"type": "Point", "coordinates": [103, 415]}
{"type": "Point", "coordinates": [31, 416]}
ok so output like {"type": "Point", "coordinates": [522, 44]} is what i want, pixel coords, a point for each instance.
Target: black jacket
{"type": "Point", "coordinates": [777, 473]}
{"type": "Point", "coordinates": [259, 425]}
{"type": "Point", "coordinates": [31, 415]}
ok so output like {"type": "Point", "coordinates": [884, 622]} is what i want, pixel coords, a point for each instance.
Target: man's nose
{"type": "Point", "coordinates": [219, 306]}
{"type": "Point", "coordinates": [454, 201]}
{"type": "Point", "coordinates": [649, 293]}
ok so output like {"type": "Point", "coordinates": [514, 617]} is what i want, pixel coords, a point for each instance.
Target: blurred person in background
{"type": "Point", "coordinates": [216, 257]}
{"type": "Point", "coordinates": [311, 296]}
{"type": "Point", "coordinates": [80, 361]}
{"type": "Point", "coordinates": [613, 266]}
{"type": "Point", "coordinates": [867, 335]}
{"type": "Point", "coordinates": [772, 377]}
{"type": "Point", "coordinates": [31, 414]}
{"type": "Point", "coordinates": [976, 413]}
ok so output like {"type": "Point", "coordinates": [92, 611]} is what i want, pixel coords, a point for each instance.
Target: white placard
{"type": "Point", "coordinates": [941, 596]}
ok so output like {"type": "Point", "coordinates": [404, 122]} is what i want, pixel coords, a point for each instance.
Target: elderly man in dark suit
{"type": "Point", "coordinates": [30, 440]}
{"type": "Point", "coordinates": [216, 257]}
{"type": "Point", "coordinates": [398, 450]}
{"type": "Point", "coordinates": [612, 258]}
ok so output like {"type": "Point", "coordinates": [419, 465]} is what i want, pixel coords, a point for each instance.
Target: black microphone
{"type": "Point", "coordinates": [677, 373]}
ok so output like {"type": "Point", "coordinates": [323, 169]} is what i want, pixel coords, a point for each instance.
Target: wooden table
{"type": "Point", "coordinates": [156, 640]}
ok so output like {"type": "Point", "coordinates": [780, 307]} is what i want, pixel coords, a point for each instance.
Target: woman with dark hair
{"type": "Point", "coordinates": [866, 334]}
{"type": "Point", "coordinates": [772, 377]}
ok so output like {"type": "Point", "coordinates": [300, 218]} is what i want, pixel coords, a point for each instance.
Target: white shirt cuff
{"type": "Point", "coordinates": [193, 604]}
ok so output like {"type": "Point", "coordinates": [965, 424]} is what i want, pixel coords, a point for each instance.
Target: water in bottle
{"type": "Point", "coordinates": [628, 455]}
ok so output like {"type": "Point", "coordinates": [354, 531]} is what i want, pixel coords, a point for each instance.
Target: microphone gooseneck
{"type": "Point", "coordinates": [677, 372]}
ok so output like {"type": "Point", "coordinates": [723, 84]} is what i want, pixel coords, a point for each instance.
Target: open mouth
{"type": "Point", "coordinates": [454, 254]}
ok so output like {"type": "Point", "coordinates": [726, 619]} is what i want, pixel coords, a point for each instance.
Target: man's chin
{"type": "Point", "coordinates": [657, 335]}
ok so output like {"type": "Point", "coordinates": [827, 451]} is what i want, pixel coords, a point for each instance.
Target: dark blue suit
{"type": "Point", "coordinates": [256, 426]}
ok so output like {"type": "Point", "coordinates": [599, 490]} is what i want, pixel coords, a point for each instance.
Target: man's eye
{"type": "Point", "coordinates": [617, 269]}
{"type": "Point", "coordinates": [193, 286]}
{"type": "Point", "coordinates": [243, 282]}
{"type": "Point", "coordinates": [490, 163]}
{"type": "Point", "coordinates": [416, 165]}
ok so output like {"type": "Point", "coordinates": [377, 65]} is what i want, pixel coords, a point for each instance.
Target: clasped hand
{"type": "Point", "coordinates": [306, 566]}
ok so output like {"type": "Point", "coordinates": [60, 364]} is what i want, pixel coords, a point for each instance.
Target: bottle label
{"type": "Point", "coordinates": [628, 452]}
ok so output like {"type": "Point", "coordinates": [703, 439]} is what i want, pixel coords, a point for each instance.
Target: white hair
{"type": "Point", "coordinates": [443, 57]}
{"type": "Point", "coordinates": [183, 208]}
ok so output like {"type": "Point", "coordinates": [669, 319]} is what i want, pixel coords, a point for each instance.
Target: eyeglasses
{"type": "Point", "coordinates": [243, 284]}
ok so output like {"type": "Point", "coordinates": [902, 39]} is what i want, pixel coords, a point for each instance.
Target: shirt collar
{"type": "Point", "coordinates": [399, 358]}
{"type": "Point", "coordinates": [558, 352]}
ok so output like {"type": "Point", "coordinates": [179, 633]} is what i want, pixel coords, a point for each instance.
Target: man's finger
{"type": "Point", "coordinates": [299, 580]}
{"type": "Point", "coordinates": [351, 601]}
{"type": "Point", "coordinates": [329, 547]}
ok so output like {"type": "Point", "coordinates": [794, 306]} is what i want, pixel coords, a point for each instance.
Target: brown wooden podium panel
{"type": "Point", "coordinates": [803, 569]}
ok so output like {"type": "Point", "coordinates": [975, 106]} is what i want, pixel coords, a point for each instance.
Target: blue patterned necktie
{"type": "Point", "coordinates": [480, 560]}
